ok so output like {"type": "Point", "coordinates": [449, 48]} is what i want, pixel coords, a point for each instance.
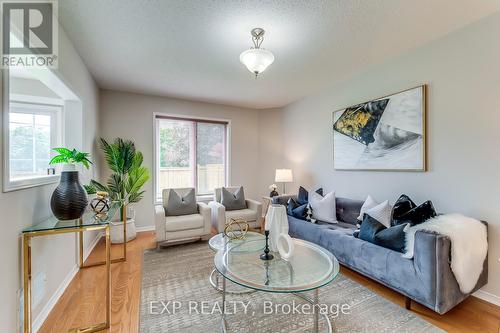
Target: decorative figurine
{"type": "Point", "coordinates": [273, 188]}
{"type": "Point", "coordinates": [100, 205]}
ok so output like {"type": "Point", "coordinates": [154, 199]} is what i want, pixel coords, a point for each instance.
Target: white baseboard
{"type": "Point", "coordinates": [488, 297]}
{"type": "Point", "coordinates": [147, 228]}
{"type": "Point", "coordinates": [42, 316]}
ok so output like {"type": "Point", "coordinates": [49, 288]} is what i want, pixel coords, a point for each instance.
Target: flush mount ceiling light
{"type": "Point", "coordinates": [257, 59]}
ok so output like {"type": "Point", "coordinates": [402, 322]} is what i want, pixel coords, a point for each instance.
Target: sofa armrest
{"type": "Point", "coordinates": [160, 223]}
{"type": "Point", "coordinates": [206, 212]}
{"type": "Point", "coordinates": [283, 199]}
{"type": "Point", "coordinates": [256, 206]}
{"type": "Point", "coordinates": [218, 215]}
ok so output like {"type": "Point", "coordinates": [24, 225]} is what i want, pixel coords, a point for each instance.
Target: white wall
{"type": "Point", "coordinates": [54, 256]}
{"type": "Point", "coordinates": [130, 116]}
{"type": "Point", "coordinates": [462, 71]}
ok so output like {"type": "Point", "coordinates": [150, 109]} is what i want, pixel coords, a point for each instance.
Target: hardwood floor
{"type": "Point", "coordinates": [82, 303]}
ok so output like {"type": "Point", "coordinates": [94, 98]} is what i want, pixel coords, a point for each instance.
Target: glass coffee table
{"type": "Point", "coordinates": [252, 242]}
{"type": "Point", "coordinates": [310, 268]}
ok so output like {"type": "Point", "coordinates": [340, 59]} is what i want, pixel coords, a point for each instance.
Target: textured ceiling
{"type": "Point", "coordinates": [190, 49]}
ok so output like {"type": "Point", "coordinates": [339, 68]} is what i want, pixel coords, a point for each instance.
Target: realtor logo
{"type": "Point", "coordinates": [29, 33]}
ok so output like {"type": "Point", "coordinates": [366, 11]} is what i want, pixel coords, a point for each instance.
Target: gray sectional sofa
{"type": "Point", "coordinates": [426, 279]}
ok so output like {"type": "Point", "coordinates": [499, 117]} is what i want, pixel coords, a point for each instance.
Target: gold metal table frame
{"type": "Point", "coordinates": [28, 235]}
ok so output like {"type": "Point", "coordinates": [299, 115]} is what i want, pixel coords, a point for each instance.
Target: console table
{"type": "Point", "coordinates": [53, 226]}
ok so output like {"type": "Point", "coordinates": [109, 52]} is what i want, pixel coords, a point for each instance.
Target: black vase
{"type": "Point", "coordinates": [69, 199]}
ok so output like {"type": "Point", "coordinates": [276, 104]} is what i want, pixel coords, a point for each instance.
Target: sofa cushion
{"type": "Point", "coordinates": [303, 196]}
{"type": "Point", "coordinates": [348, 210]}
{"type": "Point", "coordinates": [392, 238]}
{"type": "Point", "coordinates": [323, 208]}
{"type": "Point", "coordinates": [417, 215]}
{"type": "Point", "coordinates": [181, 204]}
{"type": "Point", "coordinates": [402, 206]}
{"type": "Point", "coordinates": [368, 204]}
{"type": "Point", "coordinates": [244, 214]}
{"type": "Point", "coordinates": [183, 222]}
{"type": "Point", "coordinates": [369, 228]}
{"type": "Point", "coordinates": [233, 201]}
{"type": "Point", "coordinates": [295, 209]}
{"type": "Point", "coordinates": [381, 212]}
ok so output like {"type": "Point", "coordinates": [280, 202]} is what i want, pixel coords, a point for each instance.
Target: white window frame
{"type": "Point", "coordinates": [156, 150]}
{"type": "Point", "coordinates": [41, 103]}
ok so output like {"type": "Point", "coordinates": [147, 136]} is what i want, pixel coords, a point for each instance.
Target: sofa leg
{"type": "Point", "coordinates": [407, 303]}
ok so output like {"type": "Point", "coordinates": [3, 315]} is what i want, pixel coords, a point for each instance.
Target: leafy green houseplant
{"type": "Point", "coordinates": [67, 156]}
{"type": "Point", "coordinates": [128, 176]}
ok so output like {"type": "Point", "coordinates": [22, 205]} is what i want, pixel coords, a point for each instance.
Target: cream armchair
{"type": "Point", "coordinates": [182, 228]}
{"type": "Point", "coordinates": [252, 214]}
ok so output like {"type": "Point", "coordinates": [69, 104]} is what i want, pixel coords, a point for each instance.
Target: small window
{"type": "Point", "coordinates": [34, 129]}
{"type": "Point", "coordinates": [190, 153]}
{"type": "Point", "coordinates": [40, 113]}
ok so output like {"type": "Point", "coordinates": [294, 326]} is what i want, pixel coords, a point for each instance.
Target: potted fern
{"type": "Point", "coordinates": [69, 199]}
{"type": "Point", "coordinates": [125, 183]}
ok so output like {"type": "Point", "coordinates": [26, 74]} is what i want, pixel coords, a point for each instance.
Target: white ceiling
{"type": "Point", "coordinates": [190, 49]}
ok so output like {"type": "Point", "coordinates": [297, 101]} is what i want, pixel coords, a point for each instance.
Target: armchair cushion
{"type": "Point", "coordinates": [245, 214]}
{"type": "Point", "coordinates": [179, 204]}
{"type": "Point", "coordinates": [184, 222]}
{"type": "Point", "coordinates": [233, 200]}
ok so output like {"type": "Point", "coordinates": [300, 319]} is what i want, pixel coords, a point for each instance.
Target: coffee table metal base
{"type": "Point", "coordinates": [313, 301]}
{"type": "Point", "coordinates": [214, 281]}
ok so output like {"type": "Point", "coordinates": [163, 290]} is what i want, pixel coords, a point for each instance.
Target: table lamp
{"type": "Point", "coordinates": [283, 176]}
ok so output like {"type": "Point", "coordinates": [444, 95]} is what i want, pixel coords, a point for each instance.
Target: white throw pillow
{"type": "Point", "coordinates": [382, 213]}
{"type": "Point", "coordinates": [323, 208]}
{"type": "Point", "coordinates": [369, 203]}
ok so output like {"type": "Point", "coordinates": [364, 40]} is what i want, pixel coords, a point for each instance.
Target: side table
{"type": "Point", "coordinates": [53, 226]}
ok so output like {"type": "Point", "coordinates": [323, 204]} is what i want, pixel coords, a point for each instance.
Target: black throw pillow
{"type": "Point", "coordinates": [402, 206]}
{"type": "Point", "coordinates": [417, 215]}
{"type": "Point", "coordinates": [392, 238]}
{"type": "Point", "coordinates": [369, 228]}
{"type": "Point", "coordinates": [375, 232]}
{"type": "Point", "coordinates": [296, 210]}
{"type": "Point", "coordinates": [303, 196]}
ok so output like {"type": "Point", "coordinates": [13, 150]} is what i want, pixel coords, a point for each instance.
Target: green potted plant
{"type": "Point", "coordinates": [69, 199]}
{"type": "Point", "coordinates": [125, 183]}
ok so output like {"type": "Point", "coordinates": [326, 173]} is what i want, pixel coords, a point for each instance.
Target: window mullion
{"type": "Point", "coordinates": [195, 155]}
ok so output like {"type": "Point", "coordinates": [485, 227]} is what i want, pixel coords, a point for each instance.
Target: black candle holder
{"type": "Point", "coordinates": [266, 255]}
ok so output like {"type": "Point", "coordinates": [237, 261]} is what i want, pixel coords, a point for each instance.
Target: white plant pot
{"type": "Point", "coordinates": [68, 167]}
{"type": "Point", "coordinates": [116, 231]}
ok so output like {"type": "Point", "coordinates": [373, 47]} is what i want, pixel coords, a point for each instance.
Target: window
{"type": "Point", "coordinates": [34, 129]}
{"type": "Point", "coordinates": [190, 153]}
{"type": "Point", "coordinates": [39, 112]}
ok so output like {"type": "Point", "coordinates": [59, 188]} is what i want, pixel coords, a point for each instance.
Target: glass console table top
{"type": "Point", "coordinates": [253, 241]}
{"type": "Point", "coordinates": [309, 268]}
{"type": "Point", "coordinates": [87, 220]}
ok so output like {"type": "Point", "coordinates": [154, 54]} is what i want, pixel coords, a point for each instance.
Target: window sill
{"type": "Point", "coordinates": [30, 182]}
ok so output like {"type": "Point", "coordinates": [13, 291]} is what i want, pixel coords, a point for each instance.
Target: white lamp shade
{"type": "Point", "coordinates": [256, 60]}
{"type": "Point", "coordinates": [283, 176]}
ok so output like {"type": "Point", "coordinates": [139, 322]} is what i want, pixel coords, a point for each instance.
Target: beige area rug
{"type": "Point", "coordinates": [177, 297]}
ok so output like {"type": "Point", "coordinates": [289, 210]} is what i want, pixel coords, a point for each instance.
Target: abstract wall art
{"type": "Point", "coordinates": [385, 134]}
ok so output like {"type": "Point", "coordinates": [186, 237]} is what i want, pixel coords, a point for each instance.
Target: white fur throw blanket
{"type": "Point", "coordinates": [469, 245]}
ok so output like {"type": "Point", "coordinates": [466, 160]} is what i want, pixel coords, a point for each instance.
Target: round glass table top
{"type": "Point", "coordinates": [310, 267]}
{"type": "Point", "coordinates": [219, 241]}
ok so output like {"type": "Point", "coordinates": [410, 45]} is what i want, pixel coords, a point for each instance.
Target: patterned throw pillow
{"type": "Point", "coordinates": [406, 211]}
{"type": "Point", "coordinates": [381, 212]}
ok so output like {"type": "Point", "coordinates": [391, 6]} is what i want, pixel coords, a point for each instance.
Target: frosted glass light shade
{"type": "Point", "coordinates": [256, 60]}
{"type": "Point", "coordinates": [283, 176]}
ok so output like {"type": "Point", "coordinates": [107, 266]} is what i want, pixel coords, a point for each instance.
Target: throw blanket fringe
{"type": "Point", "coordinates": [469, 245]}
